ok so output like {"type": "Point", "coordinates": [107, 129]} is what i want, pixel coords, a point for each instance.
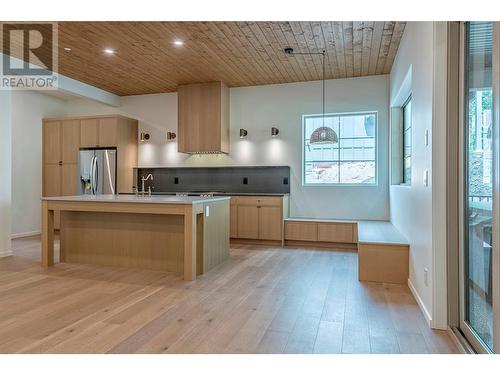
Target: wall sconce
{"type": "Point", "coordinates": [144, 136]}
{"type": "Point", "coordinates": [274, 131]}
{"type": "Point", "coordinates": [171, 136]}
{"type": "Point", "coordinates": [243, 133]}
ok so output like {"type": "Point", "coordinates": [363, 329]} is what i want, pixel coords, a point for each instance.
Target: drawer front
{"type": "Point", "coordinates": [257, 201]}
{"type": "Point", "coordinates": [336, 232]}
{"type": "Point", "coordinates": [300, 231]}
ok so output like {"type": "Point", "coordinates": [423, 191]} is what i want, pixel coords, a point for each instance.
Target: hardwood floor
{"type": "Point", "coordinates": [262, 300]}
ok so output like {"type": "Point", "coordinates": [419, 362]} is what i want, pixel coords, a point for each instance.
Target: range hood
{"type": "Point", "coordinates": [203, 118]}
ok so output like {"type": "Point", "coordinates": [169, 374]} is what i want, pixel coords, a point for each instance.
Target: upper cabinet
{"type": "Point", "coordinates": [99, 132]}
{"type": "Point", "coordinates": [70, 130]}
{"type": "Point", "coordinates": [203, 118]}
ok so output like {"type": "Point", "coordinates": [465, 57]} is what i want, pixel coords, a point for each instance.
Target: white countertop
{"type": "Point", "coordinates": [126, 198]}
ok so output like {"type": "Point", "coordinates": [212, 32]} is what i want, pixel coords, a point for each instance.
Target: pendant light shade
{"type": "Point", "coordinates": [323, 135]}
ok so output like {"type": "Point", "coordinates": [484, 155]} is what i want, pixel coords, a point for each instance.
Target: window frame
{"type": "Point", "coordinates": [406, 101]}
{"type": "Point", "coordinates": [339, 184]}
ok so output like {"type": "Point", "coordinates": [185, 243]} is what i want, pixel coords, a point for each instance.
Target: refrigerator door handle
{"type": "Point", "coordinates": [108, 168]}
{"type": "Point", "coordinates": [96, 175]}
{"type": "Point", "coordinates": [92, 176]}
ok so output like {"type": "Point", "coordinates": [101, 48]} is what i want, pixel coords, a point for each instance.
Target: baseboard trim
{"type": "Point", "coordinates": [25, 234]}
{"type": "Point", "coordinates": [420, 303]}
{"type": "Point", "coordinates": [4, 254]}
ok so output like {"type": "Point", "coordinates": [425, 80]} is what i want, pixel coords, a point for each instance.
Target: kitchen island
{"type": "Point", "coordinates": [187, 235]}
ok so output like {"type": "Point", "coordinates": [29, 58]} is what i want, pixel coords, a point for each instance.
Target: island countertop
{"type": "Point", "coordinates": [126, 198]}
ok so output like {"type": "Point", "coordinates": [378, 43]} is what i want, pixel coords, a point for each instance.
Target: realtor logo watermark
{"type": "Point", "coordinates": [29, 56]}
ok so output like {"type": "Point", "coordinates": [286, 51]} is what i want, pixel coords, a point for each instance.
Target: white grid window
{"type": "Point", "coordinates": [351, 160]}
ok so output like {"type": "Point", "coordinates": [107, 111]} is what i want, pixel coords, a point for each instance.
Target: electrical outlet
{"type": "Point", "coordinates": [207, 211]}
{"type": "Point", "coordinates": [426, 276]}
{"type": "Point", "coordinates": [426, 178]}
{"type": "Point", "coordinates": [426, 137]}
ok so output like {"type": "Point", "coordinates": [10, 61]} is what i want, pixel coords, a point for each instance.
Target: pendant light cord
{"type": "Point", "coordinates": [324, 89]}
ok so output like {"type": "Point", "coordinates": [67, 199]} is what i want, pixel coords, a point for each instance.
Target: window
{"type": "Point", "coordinates": [351, 160]}
{"type": "Point", "coordinates": [407, 141]}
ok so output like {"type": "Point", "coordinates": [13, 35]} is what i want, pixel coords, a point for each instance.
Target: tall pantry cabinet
{"type": "Point", "coordinates": [62, 139]}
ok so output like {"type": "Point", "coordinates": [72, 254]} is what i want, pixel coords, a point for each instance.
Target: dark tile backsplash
{"type": "Point", "coordinates": [262, 180]}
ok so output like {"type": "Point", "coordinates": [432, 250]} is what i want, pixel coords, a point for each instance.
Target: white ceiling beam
{"type": "Point", "coordinates": [80, 89]}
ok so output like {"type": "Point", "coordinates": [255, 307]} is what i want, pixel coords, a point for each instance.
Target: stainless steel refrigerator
{"type": "Point", "coordinates": [97, 171]}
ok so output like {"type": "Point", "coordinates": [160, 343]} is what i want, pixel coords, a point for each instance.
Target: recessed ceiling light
{"type": "Point", "coordinates": [178, 42]}
{"type": "Point", "coordinates": [109, 51]}
{"type": "Point", "coordinates": [67, 49]}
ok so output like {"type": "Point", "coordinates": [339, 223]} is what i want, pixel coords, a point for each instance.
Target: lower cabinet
{"type": "Point", "coordinates": [270, 223]}
{"type": "Point", "coordinates": [248, 222]}
{"type": "Point", "coordinates": [258, 218]}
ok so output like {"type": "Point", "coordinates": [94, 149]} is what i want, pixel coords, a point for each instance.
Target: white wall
{"type": "Point", "coordinates": [412, 206]}
{"type": "Point", "coordinates": [28, 110]}
{"type": "Point", "coordinates": [5, 172]}
{"type": "Point", "coordinates": [257, 109]}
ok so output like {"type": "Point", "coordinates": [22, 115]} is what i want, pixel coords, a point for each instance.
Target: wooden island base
{"type": "Point", "coordinates": [184, 238]}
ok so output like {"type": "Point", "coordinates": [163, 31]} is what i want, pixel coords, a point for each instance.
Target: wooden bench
{"type": "Point", "coordinates": [321, 233]}
{"type": "Point", "coordinates": [383, 252]}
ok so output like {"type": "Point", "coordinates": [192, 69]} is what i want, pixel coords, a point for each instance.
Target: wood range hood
{"type": "Point", "coordinates": [203, 118]}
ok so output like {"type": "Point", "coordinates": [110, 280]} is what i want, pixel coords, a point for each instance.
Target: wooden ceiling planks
{"type": "Point", "coordinates": [239, 53]}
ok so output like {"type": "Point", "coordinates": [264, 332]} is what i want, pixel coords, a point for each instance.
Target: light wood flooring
{"type": "Point", "coordinates": [262, 300]}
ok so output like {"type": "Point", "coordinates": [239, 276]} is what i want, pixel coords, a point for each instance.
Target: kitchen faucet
{"type": "Point", "coordinates": [148, 177]}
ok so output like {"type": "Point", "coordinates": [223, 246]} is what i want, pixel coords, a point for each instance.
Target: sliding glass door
{"type": "Point", "coordinates": [477, 257]}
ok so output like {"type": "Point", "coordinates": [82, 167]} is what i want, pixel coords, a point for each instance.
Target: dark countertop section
{"type": "Point", "coordinates": [220, 194]}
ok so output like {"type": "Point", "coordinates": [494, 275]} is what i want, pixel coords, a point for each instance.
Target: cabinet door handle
{"type": "Point", "coordinates": [60, 163]}
{"type": "Point", "coordinates": [258, 206]}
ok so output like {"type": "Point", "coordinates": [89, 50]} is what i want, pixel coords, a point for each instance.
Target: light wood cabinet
{"type": "Point", "coordinates": [335, 232]}
{"type": "Point", "coordinates": [320, 231]}
{"type": "Point", "coordinates": [52, 142]}
{"type": "Point", "coordinates": [99, 132]}
{"type": "Point", "coordinates": [108, 132]}
{"type": "Point", "coordinates": [52, 180]}
{"type": "Point", "coordinates": [248, 221]}
{"type": "Point", "coordinates": [270, 222]}
{"type": "Point", "coordinates": [62, 140]}
{"type": "Point", "coordinates": [203, 118]}
{"type": "Point", "coordinates": [70, 144]}
{"type": "Point", "coordinates": [89, 132]}
{"type": "Point", "coordinates": [258, 218]}
{"type": "Point", "coordinates": [69, 179]}
{"type": "Point", "coordinates": [301, 231]}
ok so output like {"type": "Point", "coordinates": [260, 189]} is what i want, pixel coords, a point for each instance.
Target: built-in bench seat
{"type": "Point", "coordinates": [383, 252]}
{"type": "Point", "coordinates": [321, 233]}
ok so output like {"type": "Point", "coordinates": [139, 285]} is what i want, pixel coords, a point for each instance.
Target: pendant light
{"type": "Point", "coordinates": [323, 134]}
